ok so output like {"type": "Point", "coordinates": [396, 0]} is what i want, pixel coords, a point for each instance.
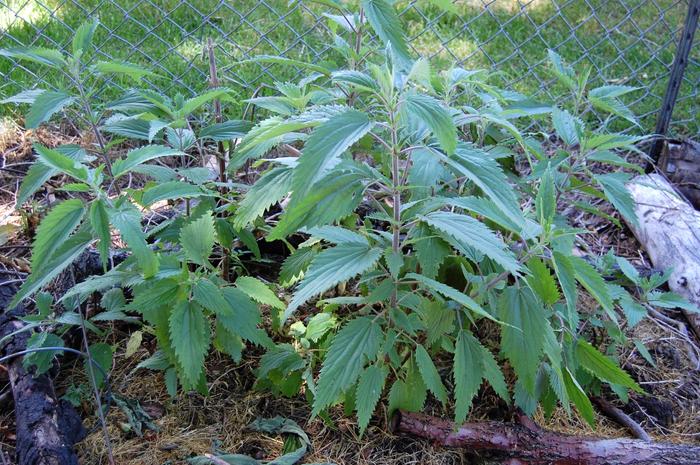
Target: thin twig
{"type": "Point", "coordinates": [622, 418]}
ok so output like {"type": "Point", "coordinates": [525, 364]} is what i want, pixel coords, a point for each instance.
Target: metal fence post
{"type": "Point", "coordinates": [674, 82]}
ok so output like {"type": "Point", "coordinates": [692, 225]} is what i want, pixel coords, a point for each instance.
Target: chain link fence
{"type": "Point", "coordinates": [626, 41]}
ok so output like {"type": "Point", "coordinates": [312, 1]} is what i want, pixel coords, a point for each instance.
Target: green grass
{"type": "Point", "coordinates": [169, 38]}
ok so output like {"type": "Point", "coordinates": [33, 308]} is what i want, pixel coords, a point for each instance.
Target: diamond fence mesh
{"type": "Point", "coordinates": [626, 41]}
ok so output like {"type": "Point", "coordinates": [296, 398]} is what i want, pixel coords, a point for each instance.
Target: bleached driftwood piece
{"type": "Point", "coordinates": [669, 230]}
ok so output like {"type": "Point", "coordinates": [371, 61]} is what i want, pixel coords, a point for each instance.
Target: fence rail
{"type": "Point", "coordinates": [626, 41]}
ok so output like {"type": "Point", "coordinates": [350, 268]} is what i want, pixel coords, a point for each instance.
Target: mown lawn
{"type": "Point", "coordinates": [167, 35]}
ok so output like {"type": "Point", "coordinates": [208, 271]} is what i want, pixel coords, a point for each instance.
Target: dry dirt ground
{"type": "Point", "coordinates": [191, 425]}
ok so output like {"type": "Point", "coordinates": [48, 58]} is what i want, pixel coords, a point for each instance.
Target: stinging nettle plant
{"type": "Point", "coordinates": [176, 275]}
{"type": "Point", "coordinates": [402, 185]}
{"type": "Point", "coordinates": [398, 180]}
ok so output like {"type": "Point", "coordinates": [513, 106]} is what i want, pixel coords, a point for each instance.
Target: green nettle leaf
{"type": "Point", "coordinates": [197, 239]}
{"type": "Point", "coordinates": [35, 178]}
{"type": "Point", "coordinates": [130, 70]}
{"type": "Point", "coordinates": [546, 200]}
{"type": "Point", "coordinates": [228, 343]}
{"type": "Point", "coordinates": [432, 113]}
{"type": "Point", "coordinates": [542, 282]}
{"type": "Point", "coordinates": [141, 155]}
{"type": "Point", "coordinates": [602, 367]}
{"type": "Point", "coordinates": [431, 250]}
{"type": "Point", "coordinates": [190, 335]}
{"type": "Point", "coordinates": [633, 310]}
{"type": "Point", "coordinates": [271, 188]}
{"type": "Point", "coordinates": [227, 130]}
{"type": "Point", "coordinates": [54, 229]}
{"type": "Point", "coordinates": [488, 209]}
{"type": "Point", "coordinates": [43, 56]}
{"type": "Point", "coordinates": [356, 343]}
{"type": "Point", "coordinates": [592, 281]}
{"type": "Point", "coordinates": [83, 36]}
{"type": "Point", "coordinates": [409, 393]}
{"type": "Point", "coordinates": [272, 128]}
{"type": "Point", "coordinates": [195, 103]}
{"type": "Point", "coordinates": [613, 185]}
{"type": "Point", "coordinates": [425, 173]}
{"type": "Point", "coordinates": [494, 375]}
{"type": "Point", "coordinates": [611, 141]}
{"type": "Point", "coordinates": [324, 147]}
{"type": "Point", "coordinates": [42, 360]}
{"type": "Point", "coordinates": [369, 390]}
{"type": "Point", "coordinates": [385, 22]}
{"type": "Point", "coordinates": [563, 72]}
{"type": "Point", "coordinates": [519, 341]}
{"type": "Point", "coordinates": [296, 264]}
{"type": "Point", "coordinates": [101, 354]}
{"type": "Point", "coordinates": [451, 293]}
{"type": "Point", "coordinates": [437, 318]}
{"type": "Point", "coordinates": [134, 128]}
{"type": "Point", "coordinates": [566, 274]}
{"type": "Point", "coordinates": [337, 235]}
{"type": "Point", "coordinates": [61, 162]}
{"type": "Point", "coordinates": [331, 267]}
{"type": "Point", "coordinates": [127, 219]}
{"type": "Point", "coordinates": [468, 373]}
{"type": "Point", "coordinates": [357, 79]}
{"type": "Point", "coordinates": [275, 104]}
{"type": "Point", "coordinates": [485, 172]}
{"type": "Point", "coordinates": [567, 127]}
{"type": "Point", "coordinates": [63, 256]}
{"type": "Point", "coordinates": [430, 375]}
{"type": "Point", "coordinates": [579, 398]}
{"type": "Point", "coordinates": [466, 233]}
{"type": "Point", "coordinates": [99, 220]}
{"type": "Point", "coordinates": [169, 191]}
{"type": "Point", "coordinates": [606, 98]}
{"type": "Point", "coordinates": [336, 196]}
{"type": "Point", "coordinates": [208, 295]}
{"type": "Point", "coordinates": [259, 292]}
{"type": "Point", "coordinates": [671, 300]}
{"type": "Point", "coordinates": [319, 325]}
{"type": "Point", "coordinates": [242, 317]}
{"type": "Point", "coordinates": [46, 105]}
{"type": "Point", "coordinates": [26, 96]}
{"type": "Point", "coordinates": [287, 61]}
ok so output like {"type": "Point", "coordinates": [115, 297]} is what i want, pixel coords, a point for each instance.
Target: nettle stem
{"type": "Point", "coordinates": [221, 154]}
{"type": "Point", "coordinates": [87, 107]}
{"type": "Point", "coordinates": [396, 185]}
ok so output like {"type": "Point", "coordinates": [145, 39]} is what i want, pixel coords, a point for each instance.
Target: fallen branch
{"type": "Point", "coordinates": [669, 230]}
{"type": "Point", "coordinates": [521, 444]}
{"type": "Point", "coordinates": [46, 428]}
{"type": "Point", "coordinates": [621, 418]}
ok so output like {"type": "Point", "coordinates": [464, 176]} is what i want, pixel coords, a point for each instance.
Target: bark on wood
{"type": "Point", "coordinates": [621, 418]}
{"type": "Point", "coordinates": [669, 230]}
{"type": "Point", "coordinates": [46, 427]}
{"type": "Point", "coordinates": [680, 161]}
{"type": "Point", "coordinates": [534, 446]}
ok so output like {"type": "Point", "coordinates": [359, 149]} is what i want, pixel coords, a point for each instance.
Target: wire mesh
{"type": "Point", "coordinates": [625, 41]}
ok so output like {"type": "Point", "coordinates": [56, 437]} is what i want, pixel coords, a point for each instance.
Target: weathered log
{"type": "Point", "coordinates": [521, 444]}
{"type": "Point", "coordinates": [669, 230]}
{"type": "Point", "coordinates": [46, 427]}
{"type": "Point", "coordinates": [680, 161]}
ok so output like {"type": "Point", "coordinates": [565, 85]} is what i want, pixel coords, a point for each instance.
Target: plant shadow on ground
{"type": "Point", "coordinates": [168, 36]}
